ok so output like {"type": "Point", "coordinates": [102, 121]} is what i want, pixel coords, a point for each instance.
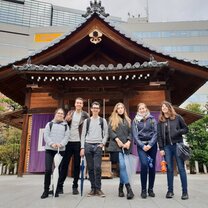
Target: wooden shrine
{"type": "Point", "coordinates": [96, 62]}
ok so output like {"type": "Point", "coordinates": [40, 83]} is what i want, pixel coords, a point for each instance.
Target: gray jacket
{"type": "Point", "coordinates": [58, 133]}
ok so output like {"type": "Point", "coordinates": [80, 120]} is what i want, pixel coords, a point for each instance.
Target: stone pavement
{"type": "Point", "coordinates": [25, 192]}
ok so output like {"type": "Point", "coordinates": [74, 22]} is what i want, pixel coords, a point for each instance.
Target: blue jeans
{"type": "Point", "coordinates": [122, 168]}
{"type": "Point", "coordinates": [170, 153]}
{"type": "Point", "coordinates": [93, 155]}
{"type": "Point", "coordinates": [145, 166]}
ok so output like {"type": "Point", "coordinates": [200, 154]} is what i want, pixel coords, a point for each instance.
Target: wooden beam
{"type": "Point", "coordinates": [23, 146]}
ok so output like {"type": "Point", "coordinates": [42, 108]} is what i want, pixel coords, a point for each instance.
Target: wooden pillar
{"type": "Point", "coordinates": [23, 146]}
{"type": "Point", "coordinates": [23, 142]}
{"type": "Point", "coordinates": [126, 101]}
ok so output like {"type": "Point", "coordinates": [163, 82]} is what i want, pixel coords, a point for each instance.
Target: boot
{"type": "Point", "coordinates": [130, 194]}
{"type": "Point", "coordinates": [144, 194]}
{"type": "Point", "coordinates": [120, 190]}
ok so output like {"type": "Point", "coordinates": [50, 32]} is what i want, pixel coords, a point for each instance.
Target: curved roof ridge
{"type": "Point", "coordinates": [101, 67]}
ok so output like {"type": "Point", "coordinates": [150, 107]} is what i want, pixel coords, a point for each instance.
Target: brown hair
{"type": "Point", "coordinates": [115, 119]}
{"type": "Point", "coordinates": [171, 112]}
{"type": "Point", "coordinates": [95, 103]}
{"type": "Point", "coordinates": [58, 110]}
{"type": "Point", "coordinates": [79, 98]}
{"type": "Point", "coordinates": [144, 106]}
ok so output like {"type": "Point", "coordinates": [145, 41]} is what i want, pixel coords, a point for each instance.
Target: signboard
{"type": "Point", "coordinates": [46, 37]}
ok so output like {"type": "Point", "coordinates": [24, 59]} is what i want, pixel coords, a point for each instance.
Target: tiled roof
{"type": "Point", "coordinates": [110, 67]}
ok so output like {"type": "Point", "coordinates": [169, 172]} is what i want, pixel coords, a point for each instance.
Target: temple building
{"type": "Point", "coordinates": [95, 61]}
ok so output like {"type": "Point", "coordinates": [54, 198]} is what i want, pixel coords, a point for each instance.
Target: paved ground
{"type": "Point", "coordinates": [25, 192]}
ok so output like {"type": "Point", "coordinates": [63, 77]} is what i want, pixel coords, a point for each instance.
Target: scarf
{"type": "Point", "coordinates": [140, 117]}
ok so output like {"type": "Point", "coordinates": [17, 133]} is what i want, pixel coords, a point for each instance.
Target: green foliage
{"type": "Point", "coordinates": [2, 108]}
{"type": "Point", "coordinates": [197, 138]}
{"type": "Point", "coordinates": [10, 103]}
{"type": "Point", "coordinates": [10, 146]}
{"type": "Point", "coordinates": [194, 107]}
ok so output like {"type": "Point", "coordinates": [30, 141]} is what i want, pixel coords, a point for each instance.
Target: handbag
{"type": "Point", "coordinates": [183, 151]}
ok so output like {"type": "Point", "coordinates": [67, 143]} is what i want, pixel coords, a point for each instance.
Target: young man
{"type": "Point", "coordinates": [94, 137]}
{"type": "Point", "coordinates": [75, 119]}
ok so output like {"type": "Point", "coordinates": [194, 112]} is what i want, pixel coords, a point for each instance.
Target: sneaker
{"type": "Point", "coordinates": [151, 193]}
{"type": "Point", "coordinates": [99, 193]}
{"type": "Point", "coordinates": [91, 193]}
{"type": "Point", "coordinates": [44, 195]}
{"type": "Point", "coordinates": [144, 194]}
{"type": "Point", "coordinates": [184, 196]}
{"type": "Point", "coordinates": [75, 191]}
{"type": "Point", "coordinates": [169, 195]}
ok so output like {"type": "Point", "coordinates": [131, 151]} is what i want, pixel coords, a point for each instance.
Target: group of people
{"type": "Point", "coordinates": [80, 135]}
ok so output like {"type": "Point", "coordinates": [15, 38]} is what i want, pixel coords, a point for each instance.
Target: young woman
{"type": "Point", "coordinates": [144, 130]}
{"type": "Point", "coordinates": [120, 141]}
{"type": "Point", "coordinates": [56, 137]}
{"type": "Point", "coordinates": [171, 127]}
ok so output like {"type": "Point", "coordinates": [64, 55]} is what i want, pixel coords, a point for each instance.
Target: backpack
{"type": "Point", "coordinates": [51, 124]}
{"type": "Point", "coordinates": [88, 125]}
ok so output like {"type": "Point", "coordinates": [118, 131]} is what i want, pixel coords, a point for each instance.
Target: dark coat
{"type": "Point", "coordinates": [145, 131]}
{"type": "Point", "coordinates": [123, 132]}
{"type": "Point", "coordinates": [176, 128]}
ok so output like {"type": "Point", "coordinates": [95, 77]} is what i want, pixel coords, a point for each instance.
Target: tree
{"type": "Point", "coordinates": [9, 137]}
{"type": "Point", "coordinates": [9, 103]}
{"type": "Point", "coordinates": [10, 147]}
{"type": "Point", "coordinates": [197, 136]}
{"type": "Point", "coordinates": [194, 107]}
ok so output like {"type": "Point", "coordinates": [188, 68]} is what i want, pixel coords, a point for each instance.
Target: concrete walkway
{"type": "Point", "coordinates": [25, 192]}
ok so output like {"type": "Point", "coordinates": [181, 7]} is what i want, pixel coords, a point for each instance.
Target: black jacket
{"type": "Point", "coordinates": [123, 132]}
{"type": "Point", "coordinates": [175, 129]}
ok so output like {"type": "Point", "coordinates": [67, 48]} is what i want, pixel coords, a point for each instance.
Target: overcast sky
{"type": "Point", "coordinates": [159, 10]}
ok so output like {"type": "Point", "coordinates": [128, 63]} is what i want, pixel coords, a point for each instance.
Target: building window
{"type": "Point", "coordinates": [16, 1]}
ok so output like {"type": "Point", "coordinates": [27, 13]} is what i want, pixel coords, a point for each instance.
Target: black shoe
{"type": "Point", "coordinates": [144, 194]}
{"type": "Point", "coordinates": [44, 195]}
{"type": "Point", "coordinates": [75, 191]}
{"type": "Point", "coordinates": [184, 196]}
{"type": "Point", "coordinates": [130, 194]}
{"type": "Point", "coordinates": [60, 190]}
{"type": "Point", "coordinates": [169, 195]}
{"type": "Point", "coordinates": [151, 193]}
{"type": "Point", "coordinates": [120, 190]}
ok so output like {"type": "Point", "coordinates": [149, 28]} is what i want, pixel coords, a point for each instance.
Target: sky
{"type": "Point", "coordinates": [158, 10]}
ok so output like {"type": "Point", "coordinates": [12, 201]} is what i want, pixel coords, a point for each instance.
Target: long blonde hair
{"type": "Point", "coordinates": [115, 119]}
{"type": "Point", "coordinates": [171, 112]}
